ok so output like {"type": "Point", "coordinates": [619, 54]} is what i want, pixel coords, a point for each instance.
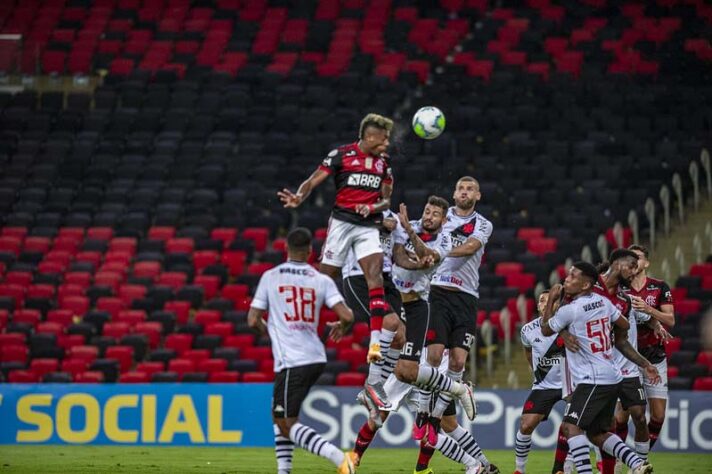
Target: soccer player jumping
{"type": "Point", "coordinates": [364, 184]}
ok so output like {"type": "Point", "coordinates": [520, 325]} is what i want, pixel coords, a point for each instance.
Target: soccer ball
{"type": "Point", "coordinates": [428, 122]}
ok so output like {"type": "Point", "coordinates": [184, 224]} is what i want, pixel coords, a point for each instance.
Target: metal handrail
{"type": "Point", "coordinates": [602, 246]}
{"type": "Point", "coordinates": [694, 171]}
{"type": "Point", "coordinates": [697, 247]}
{"type": "Point", "coordinates": [707, 166]}
{"type": "Point", "coordinates": [618, 234]}
{"type": "Point", "coordinates": [677, 187]}
{"type": "Point", "coordinates": [587, 254]}
{"type": "Point", "coordinates": [650, 214]}
{"type": "Point", "coordinates": [665, 269]}
{"type": "Point", "coordinates": [680, 260]}
{"type": "Point", "coordinates": [665, 201]}
{"type": "Point", "coordinates": [708, 234]}
{"type": "Point", "coordinates": [505, 320]}
{"type": "Point", "coordinates": [487, 338]}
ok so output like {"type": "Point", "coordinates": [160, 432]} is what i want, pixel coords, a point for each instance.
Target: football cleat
{"type": "Point", "coordinates": [467, 400]}
{"type": "Point", "coordinates": [373, 414]}
{"type": "Point", "coordinates": [644, 468]}
{"type": "Point", "coordinates": [491, 469]}
{"type": "Point", "coordinates": [424, 471]}
{"type": "Point", "coordinates": [347, 465]}
{"type": "Point", "coordinates": [420, 426]}
{"type": "Point", "coordinates": [479, 469]}
{"type": "Point", "coordinates": [433, 427]}
{"type": "Point", "coordinates": [377, 394]}
{"type": "Point", "coordinates": [374, 353]}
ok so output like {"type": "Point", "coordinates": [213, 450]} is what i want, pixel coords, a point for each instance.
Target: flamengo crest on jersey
{"type": "Point", "coordinates": [418, 281]}
{"type": "Point", "coordinates": [293, 293]}
{"type": "Point", "coordinates": [589, 318]}
{"type": "Point", "coordinates": [463, 273]}
{"type": "Point", "coordinates": [358, 178]}
{"type": "Point", "coordinates": [352, 267]}
{"type": "Point", "coordinates": [548, 354]}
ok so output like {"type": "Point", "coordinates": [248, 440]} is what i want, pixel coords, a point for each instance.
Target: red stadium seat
{"type": "Point", "coordinates": [130, 293]}
{"type": "Point", "coordinates": [150, 367]}
{"type": "Point", "coordinates": [49, 327]}
{"type": "Point", "coordinates": [23, 376]}
{"type": "Point", "coordinates": [673, 345]}
{"type": "Point", "coordinates": [23, 279]}
{"type": "Point", "coordinates": [224, 377]}
{"type": "Point", "coordinates": [256, 353]}
{"type": "Point", "coordinates": [87, 353]}
{"type": "Point", "coordinates": [161, 233]}
{"type": "Point", "coordinates": [212, 365]}
{"type": "Point", "coordinates": [74, 366]}
{"type": "Point", "coordinates": [91, 376]}
{"type": "Point", "coordinates": [173, 279]}
{"type": "Point", "coordinates": [82, 279]}
{"type": "Point", "coordinates": [180, 245]}
{"type": "Point", "coordinates": [179, 342]}
{"type": "Point", "coordinates": [67, 341]}
{"type": "Point", "coordinates": [180, 308]}
{"type": "Point", "coordinates": [209, 283]}
{"type": "Point", "coordinates": [43, 366]}
{"type": "Point", "coordinates": [61, 316]}
{"type": "Point", "coordinates": [702, 384]}
{"type": "Point", "coordinates": [541, 246]}
{"type": "Point", "coordinates": [239, 341]}
{"type": "Point", "coordinates": [350, 379]}
{"type": "Point", "coordinates": [235, 292]}
{"type": "Point", "coordinates": [226, 235]}
{"type": "Point", "coordinates": [12, 339]}
{"type": "Point", "coordinates": [258, 268]}
{"type": "Point", "coordinates": [705, 358]}
{"type": "Point", "coordinates": [687, 307]}
{"type": "Point", "coordinates": [355, 357]}
{"type": "Point", "coordinates": [124, 354]}
{"type": "Point", "coordinates": [196, 355]}
{"type": "Point", "coordinates": [100, 233]}
{"type": "Point", "coordinates": [111, 305]}
{"type": "Point", "coordinates": [526, 233]}
{"type": "Point", "coordinates": [152, 330]}
{"type": "Point", "coordinates": [117, 330]}
{"type": "Point", "coordinates": [257, 377]}
{"type": "Point", "coordinates": [234, 260]}
{"type": "Point", "coordinates": [30, 316]}
{"type": "Point", "coordinates": [131, 316]}
{"type": "Point", "coordinates": [507, 268]}
{"type": "Point", "coordinates": [13, 353]}
{"type": "Point", "coordinates": [259, 235]}
{"type": "Point", "coordinates": [522, 281]}
{"type": "Point", "coordinates": [672, 371]}
{"type": "Point", "coordinates": [37, 244]}
{"type": "Point", "coordinates": [134, 377]}
{"type": "Point", "coordinates": [204, 258]}
{"type": "Point", "coordinates": [222, 329]}
{"type": "Point", "coordinates": [125, 244]}
{"type": "Point", "coordinates": [77, 304]}
{"type": "Point", "coordinates": [181, 366]}
{"type": "Point", "coordinates": [146, 269]}
{"type": "Point", "coordinates": [40, 291]}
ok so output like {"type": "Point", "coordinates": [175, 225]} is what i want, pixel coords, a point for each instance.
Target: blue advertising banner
{"type": "Point", "coordinates": [239, 415]}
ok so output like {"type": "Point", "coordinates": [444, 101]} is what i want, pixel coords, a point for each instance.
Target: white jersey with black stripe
{"type": "Point", "coordinates": [294, 294]}
{"type": "Point", "coordinates": [589, 318]}
{"type": "Point", "coordinates": [352, 267]}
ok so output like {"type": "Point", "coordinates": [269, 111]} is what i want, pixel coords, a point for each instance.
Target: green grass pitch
{"type": "Point", "coordinates": [100, 459]}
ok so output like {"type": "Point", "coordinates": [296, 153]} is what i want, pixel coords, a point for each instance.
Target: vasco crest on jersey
{"type": "Point", "coordinates": [461, 234]}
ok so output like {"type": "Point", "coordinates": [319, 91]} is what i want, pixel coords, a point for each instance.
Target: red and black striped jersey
{"type": "Point", "coordinates": [619, 299]}
{"type": "Point", "coordinates": [655, 293]}
{"type": "Point", "coordinates": [359, 177]}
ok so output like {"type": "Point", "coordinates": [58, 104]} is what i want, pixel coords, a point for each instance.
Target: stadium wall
{"type": "Point", "coordinates": [239, 415]}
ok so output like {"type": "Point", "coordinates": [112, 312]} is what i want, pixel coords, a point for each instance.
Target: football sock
{"type": "Point", "coordinates": [377, 306]}
{"type": "Point", "coordinates": [468, 443]}
{"type": "Point", "coordinates": [306, 438]}
{"type": "Point", "coordinates": [522, 446]}
{"type": "Point", "coordinates": [444, 398]}
{"type": "Point", "coordinates": [426, 452]}
{"type": "Point", "coordinates": [654, 428]}
{"type": "Point", "coordinates": [617, 448]}
{"type": "Point", "coordinates": [451, 450]}
{"type": "Point", "coordinates": [389, 363]}
{"type": "Point", "coordinates": [642, 448]}
{"type": "Point", "coordinates": [429, 377]}
{"type": "Point", "coordinates": [562, 450]}
{"type": "Point", "coordinates": [283, 450]}
{"type": "Point", "coordinates": [364, 438]}
{"type": "Point", "coordinates": [580, 453]}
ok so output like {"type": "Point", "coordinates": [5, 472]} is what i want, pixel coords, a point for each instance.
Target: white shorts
{"type": "Point", "coordinates": [400, 393]}
{"type": "Point", "coordinates": [343, 236]}
{"type": "Point", "coordinates": [660, 390]}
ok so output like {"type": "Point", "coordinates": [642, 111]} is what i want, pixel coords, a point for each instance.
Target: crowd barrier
{"type": "Point", "coordinates": [239, 415]}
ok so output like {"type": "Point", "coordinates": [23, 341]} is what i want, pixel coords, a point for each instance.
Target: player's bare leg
{"type": "Point", "coordinates": [466, 442]}
{"type": "Point", "coordinates": [657, 417]}
{"type": "Point", "coordinates": [523, 442]}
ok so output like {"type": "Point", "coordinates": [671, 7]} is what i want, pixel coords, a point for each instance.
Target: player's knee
{"type": "Point", "coordinates": [639, 419]}
{"type": "Point", "coordinates": [405, 373]}
{"type": "Point", "coordinates": [284, 427]}
{"type": "Point", "coordinates": [448, 423]}
{"type": "Point", "coordinates": [527, 427]}
{"type": "Point", "coordinates": [398, 341]}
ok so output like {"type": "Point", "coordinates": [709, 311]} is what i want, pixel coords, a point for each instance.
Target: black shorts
{"type": "Point", "coordinates": [454, 318]}
{"type": "Point", "coordinates": [291, 387]}
{"type": "Point", "coordinates": [592, 407]}
{"type": "Point", "coordinates": [355, 292]}
{"type": "Point", "coordinates": [631, 393]}
{"type": "Point", "coordinates": [450, 409]}
{"type": "Point", "coordinates": [540, 402]}
{"type": "Point", "coordinates": [417, 316]}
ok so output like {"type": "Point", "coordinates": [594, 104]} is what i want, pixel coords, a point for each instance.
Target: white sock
{"type": "Point", "coordinates": [429, 377]}
{"type": "Point", "coordinates": [375, 337]}
{"type": "Point", "coordinates": [578, 446]}
{"type": "Point", "coordinates": [283, 450]}
{"type": "Point", "coordinates": [389, 363]}
{"type": "Point", "coordinates": [305, 437]}
{"type": "Point", "coordinates": [374, 372]}
{"type": "Point", "coordinates": [451, 450]}
{"type": "Point", "coordinates": [642, 449]}
{"type": "Point", "coordinates": [522, 447]}
{"type": "Point", "coordinates": [386, 339]}
{"type": "Point", "coordinates": [444, 398]}
{"type": "Point", "coordinates": [468, 443]}
{"type": "Point", "coordinates": [616, 447]}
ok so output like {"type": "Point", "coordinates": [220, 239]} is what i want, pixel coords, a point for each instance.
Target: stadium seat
{"type": "Point", "coordinates": [350, 379]}
{"type": "Point", "coordinates": [257, 377]}
{"type": "Point", "coordinates": [702, 384]}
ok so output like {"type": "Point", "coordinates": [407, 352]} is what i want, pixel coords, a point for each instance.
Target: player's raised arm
{"type": "Point", "coordinates": [293, 200]}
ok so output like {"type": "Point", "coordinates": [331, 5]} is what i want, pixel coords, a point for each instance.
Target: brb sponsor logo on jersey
{"type": "Point", "coordinates": [364, 180]}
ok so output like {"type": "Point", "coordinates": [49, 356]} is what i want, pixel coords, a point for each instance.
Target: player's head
{"type": "Point", "coordinates": [434, 213]}
{"type": "Point", "coordinates": [581, 278]}
{"type": "Point", "coordinates": [541, 302]}
{"type": "Point", "coordinates": [375, 133]}
{"type": "Point", "coordinates": [299, 241]}
{"type": "Point", "coordinates": [467, 192]}
{"type": "Point", "coordinates": [624, 263]}
{"type": "Point", "coordinates": [643, 254]}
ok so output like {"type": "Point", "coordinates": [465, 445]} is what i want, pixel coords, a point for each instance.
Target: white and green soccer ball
{"type": "Point", "coordinates": [428, 122]}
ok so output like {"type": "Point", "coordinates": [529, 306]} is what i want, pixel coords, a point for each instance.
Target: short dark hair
{"type": "Point", "coordinates": [439, 202]}
{"type": "Point", "coordinates": [618, 254]}
{"type": "Point", "coordinates": [587, 269]}
{"type": "Point", "coordinates": [640, 248]}
{"type": "Point", "coordinates": [299, 239]}
{"type": "Point", "coordinates": [376, 121]}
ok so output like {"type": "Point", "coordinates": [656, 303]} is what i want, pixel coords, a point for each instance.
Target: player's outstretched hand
{"type": "Point", "coordinates": [426, 262]}
{"type": "Point", "coordinates": [652, 374]}
{"type": "Point", "coordinates": [289, 199]}
{"type": "Point", "coordinates": [336, 330]}
{"type": "Point", "coordinates": [364, 209]}
{"type": "Point", "coordinates": [403, 216]}
{"type": "Point", "coordinates": [663, 333]}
